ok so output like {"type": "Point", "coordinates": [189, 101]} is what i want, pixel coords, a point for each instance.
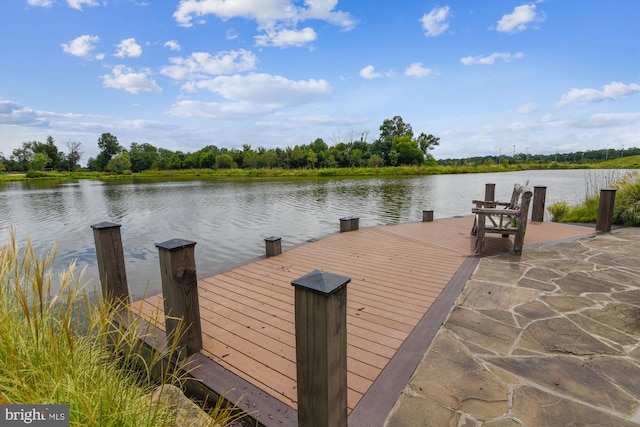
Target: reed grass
{"type": "Point", "coordinates": [627, 207]}
{"type": "Point", "coordinates": [627, 204]}
{"type": "Point", "coordinates": [67, 348]}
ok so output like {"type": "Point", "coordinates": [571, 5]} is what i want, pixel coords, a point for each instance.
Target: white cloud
{"type": "Point", "coordinates": [519, 19]}
{"type": "Point", "coordinates": [271, 14]}
{"type": "Point", "coordinates": [604, 120]}
{"type": "Point", "coordinates": [435, 22]}
{"type": "Point", "coordinates": [369, 73]}
{"type": "Point", "coordinates": [219, 110]}
{"type": "Point", "coordinates": [252, 95]}
{"type": "Point", "coordinates": [11, 113]}
{"type": "Point", "coordinates": [77, 4]}
{"type": "Point", "coordinates": [124, 78]}
{"type": "Point", "coordinates": [173, 45]}
{"type": "Point", "coordinates": [128, 48]}
{"type": "Point", "coordinates": [265, 89]}
{"type": "Point", "coordinates": [417, 70]}
{"type": "Point", "coordinates": [202, 64]}
{"type": "Point", "coordinates": [285, 38]}
{"type": "Point", "coordinates": [491, 59]}
{"type": "Point", "coordinates": [277, 18]}
{"type": "Point", "coordinates": [527, 108]}
{"type": "Point", "coordinates": [612, 90]}
{"type": "Point", "coordinates": [41, 3]}
{"type": "Point", "coordinates": [81, 46]}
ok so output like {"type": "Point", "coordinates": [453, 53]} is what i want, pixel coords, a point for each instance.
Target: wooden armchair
{"type": "Point", "coordinates": [503, 218]}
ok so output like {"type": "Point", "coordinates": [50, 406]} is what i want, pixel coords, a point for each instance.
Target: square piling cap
{"type": "Point", "coordinates": [272, 238]}
{"type": "Point", "coordinates": [321, 282]}
{"type": "Point", "coordinates": [175, 244]}
{"type": "Point", "coordinates": [105, 224]}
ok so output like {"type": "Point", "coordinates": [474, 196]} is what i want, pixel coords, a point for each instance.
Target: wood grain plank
{"type": "Point", "coordinates": [398, 273]}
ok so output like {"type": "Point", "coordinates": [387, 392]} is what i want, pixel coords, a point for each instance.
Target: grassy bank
{"type": "Point", "coordinates": [61, 348]}
{"type": "Point", "coordinates": [622, 163]}
{"type": "Point", "coordinates": [627, 204]}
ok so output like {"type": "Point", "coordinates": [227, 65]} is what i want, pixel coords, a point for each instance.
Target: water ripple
{"type": "Point", "coordinates": [230, 218]}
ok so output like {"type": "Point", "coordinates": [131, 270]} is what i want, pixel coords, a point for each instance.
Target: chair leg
{"type": "Point", "coordinates": [480, 234]}
{"type": "Point", "coordinates": [518, 242]}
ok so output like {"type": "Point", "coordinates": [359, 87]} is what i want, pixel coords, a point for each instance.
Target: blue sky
{"type": "Point", "coordinates": [483, 76]}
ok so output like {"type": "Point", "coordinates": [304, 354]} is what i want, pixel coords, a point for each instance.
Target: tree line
{"type": "Point", "coordinates": [35, 155]}
{"type": "Point", "coordinates": [589, 156]}
{"type": "Point", "coordinates": [396, 145]}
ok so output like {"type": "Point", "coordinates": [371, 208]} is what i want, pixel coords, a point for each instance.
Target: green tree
{"type": "Point", "coordinates": [207, 159]}
{"type": "Point", "coordinates": [109, 146]}
{"type": "Point", "coordinates": [74, 154]}
{"type": "Point", "coordinates": [389, 130]}
{"type": "Point", "coordinates": [207, 156]}
{"type": "Point", "coordinates": [50, 150]}
{"type": "Point", "coordinates": [355, 157]}
{"type": "Point", "coordinates": [224, 161]}
{"type": "Point", "coordinates": [39, 162]}
{"type": "Point", "coordinates": [270, 159]}
{"type": "Point", "coordinates": [176, 160]}
{"type": "Point", "coordinates": [393, 157]}
{"type": "Point", "coordinates": [143, 156]}
{"type": "Point", "coordinates": [189, 161]}
{"type": "Point", "coordinates": [408, 151]}
{"type": "Point", "coordinates": [427, 142]}
{"type": "Point", "coordinates": [312, 159]}
{"type": "Point", "coordinates": [375, 161]}
{"type": "Point", "coordinates": [23, 156]}
{"type": "Point", "coordinates": [250, 159]}
{"type": "Point", "coordinates": [297, 157]}
{"type": "Point", "coordinates": [120, 163]}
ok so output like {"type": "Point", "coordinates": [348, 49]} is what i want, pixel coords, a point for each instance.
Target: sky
{"type": "Point", "coordinates": [487, 77]}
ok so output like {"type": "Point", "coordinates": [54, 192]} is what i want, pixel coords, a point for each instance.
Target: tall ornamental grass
{"type": "Point", "coordinates": [65, 348]}
{"type": "Point", "coordinates": [627, 204]}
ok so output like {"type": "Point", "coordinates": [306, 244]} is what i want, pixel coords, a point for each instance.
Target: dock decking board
{"type": "Point", "coordinates": [397, 273]}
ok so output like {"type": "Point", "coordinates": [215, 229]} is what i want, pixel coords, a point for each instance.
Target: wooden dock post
{"type": "Point", "coordinates": [349, 223]}
{"type": "Point", "coordinates": [427, 216]}
{"type": "Point", "coordinates": [605, 209]}
{"type": "Point", "coordinates": [321, 349]}
{"type": "Point", "coordinates": [180, 292]}
{"type": "Point", "coordinates": [111, 268]}
{"type": "Point", "coordinates": [273, 246]}
{"type": "Point", "coordinates": [489, 192]}
{"type": "Point", "coordinates": [539, 197]}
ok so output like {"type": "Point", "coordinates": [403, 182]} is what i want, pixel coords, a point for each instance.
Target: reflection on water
{"type": "Point", "coordinates": [228, 218]}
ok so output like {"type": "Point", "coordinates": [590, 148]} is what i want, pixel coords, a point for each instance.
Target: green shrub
{"type": "Point", "coordinates": [585, 212]}
{"type": "Point", "coordinates": [558, 211]}
{"type": "Point", "coordinates": [34, 174]}
{"type": "Point", "coordinates": [627, 206]}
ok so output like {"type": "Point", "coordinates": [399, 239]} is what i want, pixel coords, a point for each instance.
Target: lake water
{"type": "Point", "coordinates": [229, 218]}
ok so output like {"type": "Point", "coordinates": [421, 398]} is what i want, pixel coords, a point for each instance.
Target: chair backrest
{"type": "Point", "coordinates": [518, 189]}
{"type": "Point", "coordinates": [524, 203]}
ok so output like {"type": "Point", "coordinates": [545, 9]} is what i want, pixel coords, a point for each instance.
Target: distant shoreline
{"type": "Point", "coordinates": [631, 162]}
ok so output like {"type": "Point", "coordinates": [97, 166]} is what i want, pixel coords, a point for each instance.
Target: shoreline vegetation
{"type": "Point", "coordinates": [629, 162]}
{"type": "Point", "coordinates": [65, 347]}
{"type": "Point", "coordinates": [626, 211]}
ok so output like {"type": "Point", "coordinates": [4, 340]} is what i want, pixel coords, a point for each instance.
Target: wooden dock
{"type": "Point", "coordinates": [404, 280]}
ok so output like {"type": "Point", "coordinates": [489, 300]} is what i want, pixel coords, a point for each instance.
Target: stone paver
{"type": "Point", "coordinates": [548, 339]}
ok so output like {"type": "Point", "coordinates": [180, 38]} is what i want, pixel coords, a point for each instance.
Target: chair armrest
{"type": "Point", "coordinates": [489, 211]}
{"type": "Point", "coordinates": [488, 203]}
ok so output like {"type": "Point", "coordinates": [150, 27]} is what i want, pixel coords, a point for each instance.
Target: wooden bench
{"type": "Point", "coordinates": [505, 218]}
